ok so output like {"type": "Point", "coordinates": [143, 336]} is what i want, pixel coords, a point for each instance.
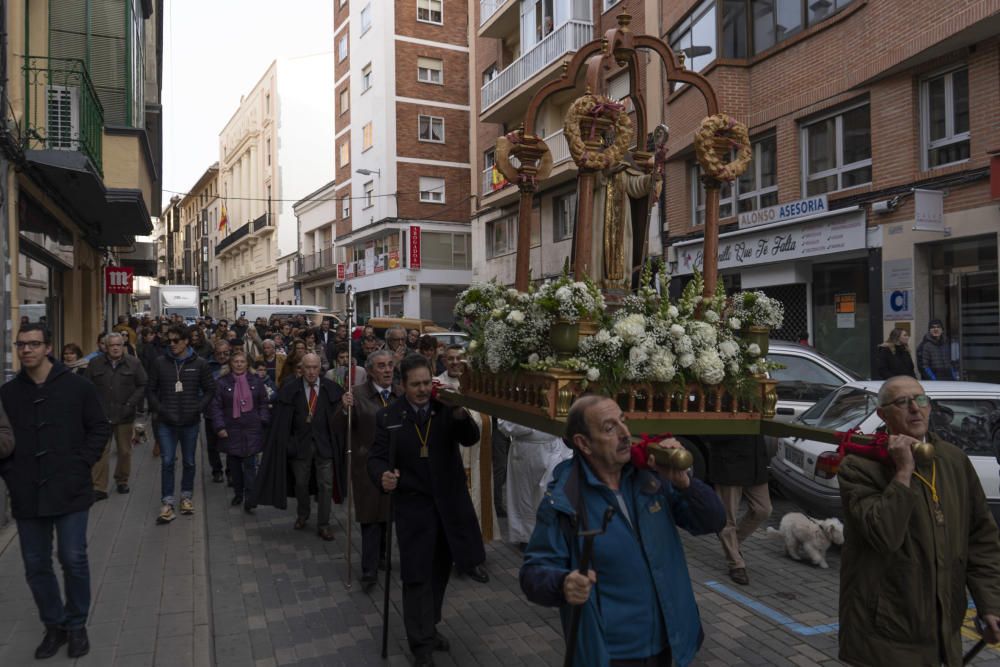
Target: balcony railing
{"type": "Point", "coordinates": [62, 108]}
{"type": "Point", "coordinates": [240, 233]}
{"type": "Point", "coordinates": [487, 8]}
{"type": "Point", "coordinates": [316, 261]}
{"type": "Point", "coordinates": [568, 37]}
{"type": "Point", "coordinates": [494, 181]}
{"type": "Point", "coordinates": [262, 222]}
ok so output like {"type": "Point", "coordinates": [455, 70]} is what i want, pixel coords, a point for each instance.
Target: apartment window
{"type": "Point", "coordinates": [758, 186]}
{"type": "Point", "coordinates": [563, 216]}
{"type": "Point", "coordinates": [753, 26]}
{"type": "Point", "coordinates": [342, 48]}
{"type": "Point", "coordinates": [430, 128]}
{"type": "Point", "coordinates": [695, 34]}
{"type": "Point", "coordinates": [367, 136]}
{"type": "Point", "coordinates": [429, 11]}
{"type": "Point", "coordinates": [837, 151]}
{"type": "Point", "coordinates": [366, 77]}
{"type": "Point", "coordinates": [345, 100]}
{"type": "Point", "coordinates": [430, 70]}
{"type": "Point", "coordinates": [345, 208]}
{"type": "Point", "coordinates": [618, 86]}
{"type": "Point", "coordinates": [490, 73]}
{"type": "Point", "coordinates": [369, 194]}
{"type": "Point", "coordinates": [608, 4]}
{"type": "Point", "coordinates": [366, 18]}
{"type": "Point", "coordinates": [944, 106]}
{"type": "Point", "coordinates": [268, 152]}
{"type": "Point", "coordinates": [501, 237]}
{"type": "Point", "coordinates": [344, 154]}
{"type": "Point", "coordinates": [431, 190]}
{"type": "Point", "coordinates": [727, 200]}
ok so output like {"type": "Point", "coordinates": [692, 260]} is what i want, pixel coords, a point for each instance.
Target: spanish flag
{"type": "Point", "coordinates": [223, 219]}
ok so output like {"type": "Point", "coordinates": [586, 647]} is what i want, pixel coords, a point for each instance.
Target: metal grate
{"type": "Point", "coordinates": [793, 297]}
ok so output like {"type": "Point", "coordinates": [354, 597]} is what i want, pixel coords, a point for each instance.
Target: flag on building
{"type": "Point", "coordinates": [223, 219]}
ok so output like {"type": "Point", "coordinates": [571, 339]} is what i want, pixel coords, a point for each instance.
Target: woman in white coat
{"type": "Point", "coordinates": [532, 456]}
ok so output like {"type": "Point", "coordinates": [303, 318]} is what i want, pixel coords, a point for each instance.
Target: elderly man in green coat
{"type": "Point", "coordinates": [916, 536]}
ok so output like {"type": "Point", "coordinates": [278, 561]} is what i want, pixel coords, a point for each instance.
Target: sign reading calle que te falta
{"type": "Point", "coordinates": [825, 236]}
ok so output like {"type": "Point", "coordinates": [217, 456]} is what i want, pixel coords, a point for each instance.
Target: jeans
{"type": "Point", "coordinates": [169, 436]}
{"type": "Point", "coordinates": [36, 551]}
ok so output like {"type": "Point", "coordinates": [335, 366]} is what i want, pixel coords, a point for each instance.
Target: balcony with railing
{"type": "Point", "coordinates": [316, 264]}
{"type": "Point", "coordinates": [62, 109]}
{"type": "Point", "coordinates": [241, 233]}
{"type": "Point", "coordinates": [562, 41]}
{"type": "Point", "coordinates": [263, 225]}
{"type": "Point", "coordinates": [498, 18]}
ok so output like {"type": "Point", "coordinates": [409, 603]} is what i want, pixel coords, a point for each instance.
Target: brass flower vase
{"type": "Point", "coordinates": [565, 338]}
{"type": "Point", "coordinates": [757, 334]}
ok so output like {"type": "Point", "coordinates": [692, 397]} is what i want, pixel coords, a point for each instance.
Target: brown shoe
{"type": "Point", "coordinates": [326, 533]}
{"type": "Point", "coordinates": [739, 575]}
{"type": "Point", "coordinates": [300, 523]}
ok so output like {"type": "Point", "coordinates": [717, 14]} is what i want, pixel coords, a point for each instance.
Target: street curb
{"type": "Point", "coordinates": [201, 556]}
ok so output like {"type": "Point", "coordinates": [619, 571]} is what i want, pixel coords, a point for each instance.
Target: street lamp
{"type": "Point", "coordinates": [368, 172]}
{"type": "Point", "coordinates": [693, 52]}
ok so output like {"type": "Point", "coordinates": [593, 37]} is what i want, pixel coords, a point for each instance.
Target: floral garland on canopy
{"type": "Point", "coordinates": [649, 339]}
{"type": "Point", "coordinates": [715, 138]}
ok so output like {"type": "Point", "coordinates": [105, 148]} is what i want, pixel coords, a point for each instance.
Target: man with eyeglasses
{"type": "Point", "coordinates": [180, 388]}
{"type": "Point", "coordinates": [60, 432]}
{"type": "Point", "coordinates": [917, 534]}
{"type": "Point", "coordinates": [121, 385]}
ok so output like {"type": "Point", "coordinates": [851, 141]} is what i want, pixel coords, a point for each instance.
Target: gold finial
{"type": "Point", "coordinates": [680, 59]}
{"type": "Point", "coordinates": [565, 67]}
{"type": "Point", "coordinates": [604, 45]}
{"type": "Point", "coordinates": [624, 19]}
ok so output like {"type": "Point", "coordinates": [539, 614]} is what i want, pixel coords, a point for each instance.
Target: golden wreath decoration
{"type": "Point", "coordinates": [595, 106]}
{"type": "Point", "coordinates": [717, 135]}
{"type": "Point", "coordinates": [507, 147]}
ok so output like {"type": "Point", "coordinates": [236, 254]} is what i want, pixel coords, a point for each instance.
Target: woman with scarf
{"type": "Point", "coordinates": [239, 413]}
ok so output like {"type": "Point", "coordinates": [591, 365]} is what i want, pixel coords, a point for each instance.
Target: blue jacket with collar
{"type": "Point", "coordinates": [657, 509]}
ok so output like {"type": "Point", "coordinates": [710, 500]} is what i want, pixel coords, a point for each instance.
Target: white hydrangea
{"type": "Point", "coordinates": [728, 349]}
{"type": "Point", "coordinates": [515, 316]}
{"type": "Point", "coordinates": [703, 334]}
{"type": "Point", "coordinates": [533, 358]}
{"type": "Point", "coordinates": [496, 313]}
{"type": "Point", "coordinates": [662, 366]}
{"type": "Point", "coordinates": [686, 359]}
{"type": "Point", "coordinates": [470, 308]}
{"type": "Point", "coordinates": [602, 336]}
{"type": "Point", "coordinates": [593, 374]}
{"type": "Point", "coordinates": [708, 367]}
{"type": "Point", "coordinates": [684, 345]}
{"type": "Point", "coordinates": [734, 367]}
{"type": "Point", "coordinates": [631, 328]}
{"type": "Point", "coordinates": [513, 293]}
{"type": "Point", "coordinates": [676, 330]}
{"type": "Point", "coordinates": [753, 349]}
{"type": "Point", "coordinates": [637, 355]}
{"type": "Point", "coordinates": [734, 323]}
{"type": "Point", "coordinates": [711, 317]}
{"type": "Point", "coordinates": [672, 312]}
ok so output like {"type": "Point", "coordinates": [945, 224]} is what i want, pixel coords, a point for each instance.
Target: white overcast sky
{"type": "Point", "coordinates": [213, 52]}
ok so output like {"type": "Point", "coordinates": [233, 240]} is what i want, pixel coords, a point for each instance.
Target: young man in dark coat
{"type": "Point", "coordinates": [738, 467]}
{"type": "Point", "coordinates": [59, 433]}
{"type": "Point", "coordinates": [180, 388]}
{"type": "Point", "coordinates": [303, 436]}
{"type": "Point", "coordinates": [934, 354]}
{"type": "Point", "coordinates": [435, 519]}
{"type": "Point", "coordinates": [372, 506]}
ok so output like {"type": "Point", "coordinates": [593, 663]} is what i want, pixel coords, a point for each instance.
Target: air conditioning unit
{"type": "Point", "coordinates": [63, 118]}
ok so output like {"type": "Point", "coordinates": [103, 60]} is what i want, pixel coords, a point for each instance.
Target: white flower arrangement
{"type": "Point", "coordinates": [757, 309]}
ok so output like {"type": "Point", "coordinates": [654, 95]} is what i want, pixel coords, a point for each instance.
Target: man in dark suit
{"type": "Point", "coordinates": [435, 519]}
{"type": "Point", "coordinates": [371, 505]}
{"type": "Point", "coordinates": [306, 409]}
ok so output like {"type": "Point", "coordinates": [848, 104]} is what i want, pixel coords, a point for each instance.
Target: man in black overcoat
{"type": "Point", "coordinates": [434, 517]}
{"type": "Point", "coordinates": [304, 450]}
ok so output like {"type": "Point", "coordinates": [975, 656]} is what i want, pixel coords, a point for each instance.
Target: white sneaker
{"type": "Point", "coordinates": [187, 507]}
{"type": "Point", "coordinates": [166, 514]}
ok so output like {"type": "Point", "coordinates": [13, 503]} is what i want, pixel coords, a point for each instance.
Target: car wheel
{"type": "Point", "coordinates": [700, 464]}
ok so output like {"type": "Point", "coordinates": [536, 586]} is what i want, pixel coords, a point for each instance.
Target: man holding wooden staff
{"type": "Point", "coordinates": [917, 532]}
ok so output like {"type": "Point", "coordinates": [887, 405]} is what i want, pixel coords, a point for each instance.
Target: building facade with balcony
{"type": "Point", "coordinates": [403, 173]}
{"type": "Point", "coordinates": [274, 149]}
{"type": "Point", "coordinates": [868, 204]}
{"type": "Point", "coordinates": [81, 155]}
{"type": "Point", "coordinates": [200, 210]}
{"type": "Point", "coordinates": [520, 46]}
{"type": "Point", "coordinates": [316, 270]}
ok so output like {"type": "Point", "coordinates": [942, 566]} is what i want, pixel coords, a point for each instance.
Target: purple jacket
{"type": "Point", "coordinates": [246, 434]}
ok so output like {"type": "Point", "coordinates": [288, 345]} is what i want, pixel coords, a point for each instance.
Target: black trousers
{"type": "Point", "coordinates": [372, 541]}
{"type": "Point", "coordinates": [244, 472]}
{"type": "Point", "coordinates": [664, 659]}
{"type": "Point", "coordinates": [422, 601]}
{"type": "Point", "coordinates": [212, 440]}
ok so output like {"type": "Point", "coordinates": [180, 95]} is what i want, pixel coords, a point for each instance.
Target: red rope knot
{"type": "Point", "coordinates": [599, 109]}
{"type": "Point", "coordinates": [877, 448]}
{"type": "Point", "coordinates": [640, 450]}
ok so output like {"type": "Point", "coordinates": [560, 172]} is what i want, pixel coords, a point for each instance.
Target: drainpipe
{"type": "Point", "coordinates": [6, 180]}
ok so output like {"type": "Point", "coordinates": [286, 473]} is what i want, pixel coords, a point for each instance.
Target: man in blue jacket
{"type": "Point", "coordinates": [638, 607]}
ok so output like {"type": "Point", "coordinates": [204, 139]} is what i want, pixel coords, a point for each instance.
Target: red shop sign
{"type": "Point", "coordinates": [341, 271]}
{"type": "Point", "coordinates": [414, 247]}
{"type": "Point", "coordinates": [118, 279]}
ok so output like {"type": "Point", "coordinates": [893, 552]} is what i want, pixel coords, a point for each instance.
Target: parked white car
{"type": "Point", "coordinates": [961, 413]}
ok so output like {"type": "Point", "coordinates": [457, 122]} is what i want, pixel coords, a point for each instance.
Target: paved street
{"type": "Point", "coordinates": [222, 588]}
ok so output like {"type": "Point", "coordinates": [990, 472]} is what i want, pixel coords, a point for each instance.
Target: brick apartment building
{"type": "Point", "coordinates": [873, 126]}
{"type": "Point", "coordinates": [402, 140]}
{"type": "Point", "coordinates": [520, 46]}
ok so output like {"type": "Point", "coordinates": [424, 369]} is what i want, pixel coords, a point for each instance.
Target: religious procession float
{"type": "Point", "coordinates": [696, 366]}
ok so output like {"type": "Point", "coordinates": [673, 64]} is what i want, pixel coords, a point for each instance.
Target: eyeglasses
{"type": "Point", "coordinates": [922, 401]}
{"type": "Point", "coordinates": [30, 344]}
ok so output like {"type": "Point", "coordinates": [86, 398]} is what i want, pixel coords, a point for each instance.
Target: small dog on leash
{"type": "Point", "coordinates": [808, 538]}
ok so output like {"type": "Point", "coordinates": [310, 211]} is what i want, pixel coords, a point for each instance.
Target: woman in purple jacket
{"type": "Point", "coordinates": [239, 413]}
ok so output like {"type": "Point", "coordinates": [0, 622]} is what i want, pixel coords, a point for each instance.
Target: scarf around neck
{"type": "Point", "coordinates": [242, 396]}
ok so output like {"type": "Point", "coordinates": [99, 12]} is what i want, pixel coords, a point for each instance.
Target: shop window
{"type": "Point", "coordinates": [444, 251]}
{"type": "Point", "coordinates": [758, 186]}
{"type": "Point", "coordinates": [563, 216]}
{"type": "Point", "coordinates": [837, 151]}
{"type": "Point", "coordinates": [501, 236]}
{"type": "Point", "coordinates": [430, 70]}
{"type": "Point", "coordinates": [944, 106]}
{"type": "Point", "coordinates": [430, 128]}
{"type": "Point", "coordinates": [429, 11]}
{"type": "Point", "coordinates": [431, 190]}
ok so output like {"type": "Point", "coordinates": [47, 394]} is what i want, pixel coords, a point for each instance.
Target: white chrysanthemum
{"type": "Point", "coordinates": [631, 328]}
{"type": "Point", "coordinates": [685, 360]}
{"type": "Point", "coordinates": [708, 367]}
{"type": "Point", "coordinates": [676, 330]}
{"type": "Point", "coordinates": [711, 316]}
{"type": "Point", "coordinates": [672, 311]}
{"type": "Point", "coordinates": [734, 323]}
{"type": "Point", "coordinates": [753, 349]}
{"type": "Point", "coordinates": [602, 336]}
{"type": "Point", "coordinates": [533, 358]}
{"type": "Point", "coordinates": [728, 349]}
{"type": "Point", "coordinates": [684, 345]}
{"type": "Point", "coordinates": [703, 334]}
{"type": "Point", "coordinates": [515, 316]}
{"type": "Point", "coordinates": [661, 365]}
{"type": "Point", "coordinates": [593, 374]}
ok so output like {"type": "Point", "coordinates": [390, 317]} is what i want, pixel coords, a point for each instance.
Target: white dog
{"type": "Point", "coordinates": [808, 538]}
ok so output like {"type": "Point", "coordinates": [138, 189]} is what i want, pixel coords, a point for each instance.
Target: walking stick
{"type": "Point", "coordinates": [979, 646]}
{"type": "Point", "coordinates": [350, 390]}
{"type": "Point", "coordinates": [393, 429]}
{"type": "Point", "coordinates": [588, 551]}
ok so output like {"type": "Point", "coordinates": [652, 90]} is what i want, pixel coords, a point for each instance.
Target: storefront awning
{"type": "Point", "coordinates": [826, 233]}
